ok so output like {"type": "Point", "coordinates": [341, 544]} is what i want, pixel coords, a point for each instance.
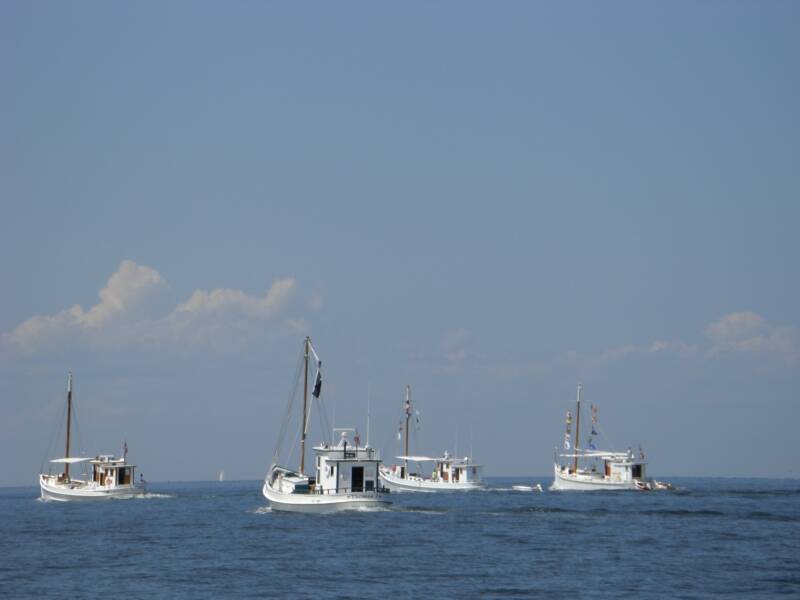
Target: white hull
{"type": "Point", "coordinates": [418, 484]}
{"type": "Point", "coordinates": [586, 482]}
{"type": "Point", "coordinates": [323, 503]}
{"type": "Point", "coordinates": [81, 491]}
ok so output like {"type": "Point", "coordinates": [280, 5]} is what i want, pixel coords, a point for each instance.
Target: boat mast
{"type": "Point", "coordinates": [408, 417]}
{"type": "Point", "coordinates": [305, 407]}
{"type": "Point", "coordinates": [577, 429]}
{"type": "Point", "coordinates": [69, 418]}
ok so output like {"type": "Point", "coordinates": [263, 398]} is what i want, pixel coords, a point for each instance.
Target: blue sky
{"type": "Point", "coordinates": [489, 203]}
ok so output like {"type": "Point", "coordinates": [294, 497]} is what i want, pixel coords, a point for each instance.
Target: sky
{"type": "Point", "coordinates": [490, 203]}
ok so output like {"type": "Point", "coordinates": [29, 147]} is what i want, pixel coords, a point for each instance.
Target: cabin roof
{"type": "Point", "coordinates": [461, 462]}
{"type": "Point", "coordinates": [70, 461]}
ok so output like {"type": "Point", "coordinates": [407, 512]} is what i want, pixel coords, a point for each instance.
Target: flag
{"type": "Point", "coordinates": [566, 441]}
{"type": "Point", "coordinates": [593, 431]}
{"type": "Point", "coordinates": [591, 445]}
{"type": "Point", "coordinates": [318, 383]}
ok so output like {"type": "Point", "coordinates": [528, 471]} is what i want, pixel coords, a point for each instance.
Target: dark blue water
{"type": "Point", "coordinates": [712, 538]}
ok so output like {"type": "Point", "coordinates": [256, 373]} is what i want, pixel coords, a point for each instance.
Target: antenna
{"type": "Point", "coordinates": [470, 442]}
{"type": "Point", "coordinates": [369, 398]}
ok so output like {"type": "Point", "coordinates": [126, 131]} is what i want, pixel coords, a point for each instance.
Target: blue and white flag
{"type": "Point", "coordinates": [318, 383]}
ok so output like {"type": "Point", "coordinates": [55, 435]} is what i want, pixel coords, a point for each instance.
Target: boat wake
{"type": "Point", "coordinates": [369, 509]}
{"type": "Point", "coordinates": [262, 510]}
{"type": "Point", "coordinates": [420, 510]}
{"type": "Point", "coordinates": [150, 496]}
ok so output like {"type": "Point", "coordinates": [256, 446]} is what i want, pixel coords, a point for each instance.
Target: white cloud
{"type": "Point", "coordinates": [663, 346]}
{"type": "Point", "coordinates": [220, 317]}
{"type": "Point", "coordinates": [222, 300]}
{"type": "Point", "coordinates": [749, 333]}
{"type": "Point", "coordinates": [743, 333]}
{"type": "Point", "coordinates": [735, 325]}
{"type": "Point", "coordinates": [124, 290]}
{"type": "Point", "coordinates": [297, 325]}
{"type": "Point", "coordinates": [316, 301]}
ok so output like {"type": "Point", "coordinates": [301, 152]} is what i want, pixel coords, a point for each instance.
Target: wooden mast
{"type": "Point", "coordinates": [69, 419]}
{"type": "Point", "coordinates": [408, 416]}
{"type": "Point", "coordinates": [305, 408]}
{"type": "Point", "coordinates": [577, 429]}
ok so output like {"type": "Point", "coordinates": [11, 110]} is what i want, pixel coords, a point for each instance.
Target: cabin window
{"type": "Point", "coordinates": [636, 471]}
{"type": "Point", "coordinates": [330, 471]}
{"type": "Point", "coordinates": [369, 485]}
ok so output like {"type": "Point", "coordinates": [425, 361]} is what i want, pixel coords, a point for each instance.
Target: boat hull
{"type": "Point", "coordinates": [59, 492]}
{"type": "Point", "coordinates": [397, 484]}
{"type": "Point", "coordinates": [324, 503]}
{"type": "Point", "coordinates": [570, 482]}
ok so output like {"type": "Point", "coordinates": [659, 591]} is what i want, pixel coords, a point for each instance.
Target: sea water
{"type": "Point", "coordinates": [708, 539]}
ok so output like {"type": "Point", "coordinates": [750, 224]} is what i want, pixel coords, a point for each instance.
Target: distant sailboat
{"type": "Point", "coordinates": [447, 473]}
{"type": "Point", "coordinates": [111, 477]}
{"type": "Point", "coordinates": [619, 470]}
{"type": "Point", "coordinates": [222, 476]}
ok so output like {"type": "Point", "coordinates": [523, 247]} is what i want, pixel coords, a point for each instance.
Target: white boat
{"type": "Point", "coordinates": [588, 468]}
{"type": "Point", "coordinates": [346, 474]}
{"type": "Point", "coordinates": [528, 488]}
{"type": "Point", "coordinates": [110, 477]}
{"type": "Point", "coordinates": [415, 475]}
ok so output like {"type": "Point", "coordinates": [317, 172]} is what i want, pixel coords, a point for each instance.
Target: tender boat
{"type": "Point", "coordinates": [528, 488]}
{"type": "Point", "coordinates": [110, 478]}
{"type": "Point", "coordinates": [447, 474]}
{"type": "Point", "coordinates": [346, 474]}
{"type": "Point", "coordinates": [592, 469]}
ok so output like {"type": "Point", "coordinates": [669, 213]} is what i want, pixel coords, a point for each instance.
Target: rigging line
{"type": "Point", "coordinates": [290, 458]}
{"type": "Point", "coordinates": [78, 433]}
{"type": "Point", "coordinates": [323, 417]}
{"type": "Point", "coordinates": [289, 406]}
{"type": "Point", "coordinates": [56, 425]}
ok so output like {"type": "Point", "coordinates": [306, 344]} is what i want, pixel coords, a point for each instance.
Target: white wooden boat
{"type": "Point", "coordinates": [588, 468]}
{"type": "Point", "coordinates": [110, 477]}
{"type": "Point", "coordinates": [415, 475]}
{"type": "Point", "coordinates": [346, 474]}
{"type": "Point", "coordinates": [528, 488]}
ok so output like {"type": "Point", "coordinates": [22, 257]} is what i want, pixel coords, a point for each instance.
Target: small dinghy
{"type": "Point", "coordinates": [528, 488]}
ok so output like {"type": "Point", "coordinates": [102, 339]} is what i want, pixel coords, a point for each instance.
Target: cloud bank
{"type": "Point", "coordinates": [117, 317]}
{"type": "Point", "coordinates": [746, 334]}
{"type": "Point", "coordinates": [125, 289]}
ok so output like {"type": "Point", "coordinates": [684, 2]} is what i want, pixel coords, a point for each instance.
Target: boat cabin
{"type": "Point", "coordinates": [346, 468]}
{"type": "Point", "coordinates": [622, 467]}
{"type": "Point", "coordinates": [455, 470]}
{"type": "Point", "coordinates": [446, 469]}
{"type": "Point", "coordinates": [109, 471]}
